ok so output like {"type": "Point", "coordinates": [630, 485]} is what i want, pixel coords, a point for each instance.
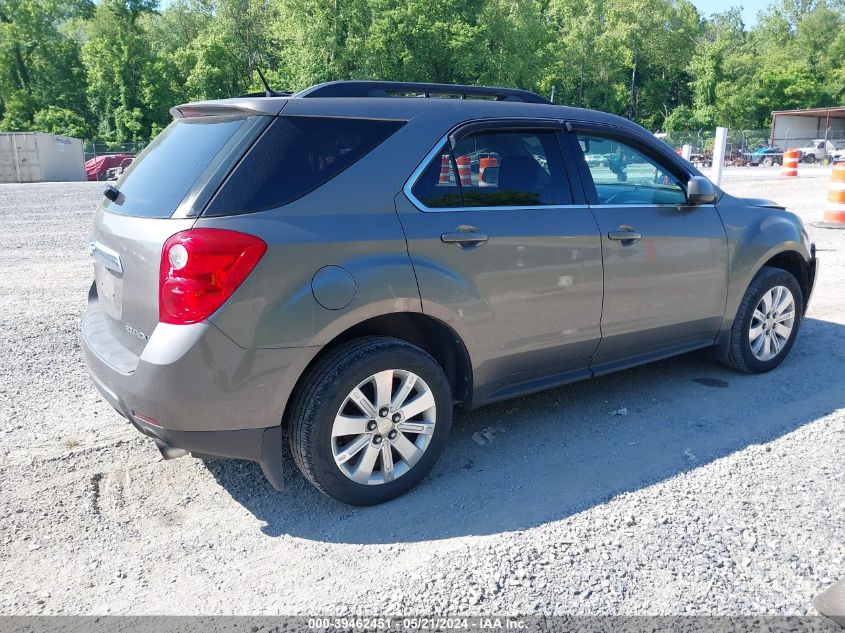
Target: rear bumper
{"type": "Point", "coordinates": [258, 445]}
{"type": "Point", "coordinates": [195, 389]}
{"type": "Point", "coordinates": [262, 445]}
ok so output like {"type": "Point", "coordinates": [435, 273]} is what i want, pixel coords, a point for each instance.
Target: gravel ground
{"type": "Point", "coordinates": [717, 493]}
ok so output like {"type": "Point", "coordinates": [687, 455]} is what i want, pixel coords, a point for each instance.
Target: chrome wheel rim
{"type": "Point", "coordinates": [383, 427]}
{"type": "Point", "coordinates": [772, 323]}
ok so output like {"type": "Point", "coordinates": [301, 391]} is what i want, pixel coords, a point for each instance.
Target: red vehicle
{"type": "Point", "coordinates": [96, 168]}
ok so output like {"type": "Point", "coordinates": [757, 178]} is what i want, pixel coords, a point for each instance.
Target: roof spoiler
{"type": "Point", "coordinates": [222, 107]}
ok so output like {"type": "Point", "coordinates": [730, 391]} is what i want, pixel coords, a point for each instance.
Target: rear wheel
{"type": "Point", "coordinates": [371, 420]}
{"type": "Point", "coordinates": [810, 159]}
{"type": "Point", "coordinates": [768, 161]}
{"type": "Point", "coordinates": [766, 323]}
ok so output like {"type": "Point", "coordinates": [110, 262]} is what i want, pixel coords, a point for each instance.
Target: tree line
{"type": "Point", "coordinates": [110, 70]}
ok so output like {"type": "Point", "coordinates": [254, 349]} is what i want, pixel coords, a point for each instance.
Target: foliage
{"type": "Point", "coordinates": [111, 70]}
{"type": "Point", "coordinates": [39, 60]}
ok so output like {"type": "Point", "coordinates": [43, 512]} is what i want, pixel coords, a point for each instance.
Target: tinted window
{"type": "Point", "coordinates": [294, 156]}
{"type": "Point", "coordinates": [623, 175]}
{"type": "Point", "coordinates": [164, 172]}
{"type": "Point", "coordinates": [522, 169]}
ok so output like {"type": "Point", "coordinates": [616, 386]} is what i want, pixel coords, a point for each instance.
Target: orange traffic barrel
{"type": "Point", "coordinates": [834, 210]}
{"type": "Point", "coordinates": [790, 163]}
{"type": "Point", "coordinates": [483, 164]}
{"type": "Point", "coordinates": [465, 170]}
{"type": "Point", "coordinates": [445, 168]}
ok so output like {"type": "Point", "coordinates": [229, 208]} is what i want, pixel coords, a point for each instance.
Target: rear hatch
{"type": "Point", "coordinates": [161, 193]}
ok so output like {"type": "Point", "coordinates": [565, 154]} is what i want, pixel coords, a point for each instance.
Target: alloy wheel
{"type": "Point", "coordinates": [772, 323]}
{"type": "Point", "coordinates": [383, 427]}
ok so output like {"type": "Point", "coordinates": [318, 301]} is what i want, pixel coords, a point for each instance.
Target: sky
{"type": "Point", "coordinates": [749, 8]}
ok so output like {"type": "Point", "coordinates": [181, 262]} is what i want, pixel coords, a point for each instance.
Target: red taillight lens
{"type": "Point", "coordinates": [200, 269]}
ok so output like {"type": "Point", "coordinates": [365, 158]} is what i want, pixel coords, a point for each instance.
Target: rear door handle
{"type": "Point", "coordinates": [464, 236]}
{"type": "Point", "coordinates": [625, 236]}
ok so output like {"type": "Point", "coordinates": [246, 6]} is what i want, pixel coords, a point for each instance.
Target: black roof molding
{"type": "Point", "coordinates": [275, 93]}
{"type": "Point", "coordinates": [391, 88]}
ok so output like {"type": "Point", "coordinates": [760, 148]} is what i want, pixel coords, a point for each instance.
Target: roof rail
{"type": "Point", "coordinates": [389, 88]}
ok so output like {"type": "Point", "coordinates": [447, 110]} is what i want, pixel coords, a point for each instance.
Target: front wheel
{"type": "Point", "coordinates": [766, 323]}
{"type": "Point", "coordinates": [371, 420]}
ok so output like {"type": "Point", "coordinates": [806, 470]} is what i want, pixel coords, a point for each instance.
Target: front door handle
{"type": "Point", "coordinates": [465, 236]}
{"type": "Point", "coordinates": [626, 236]}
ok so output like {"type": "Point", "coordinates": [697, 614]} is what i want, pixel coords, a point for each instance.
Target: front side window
{"type": "Point", "coordinates": [496, 169]}
{"type": "Point", "coordinates": [623, 175]}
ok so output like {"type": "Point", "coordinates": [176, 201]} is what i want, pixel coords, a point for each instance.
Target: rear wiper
{"type": "Point", "coordinates": [112, 193]}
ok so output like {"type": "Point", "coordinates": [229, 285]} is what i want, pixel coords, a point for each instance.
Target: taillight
{"type": "Point", "coordinates": [200, 269]}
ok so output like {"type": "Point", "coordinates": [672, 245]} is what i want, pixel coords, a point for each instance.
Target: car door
{"type": "Point", "coordinates": [665, 262]}
{"type": "Point", "coordinates": [505, 254]}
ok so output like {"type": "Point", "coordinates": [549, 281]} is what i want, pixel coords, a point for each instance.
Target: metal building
{"type": "Point", "coordinates": [40, 157]}
{"type": "Point", "coordinates": [792, 128]}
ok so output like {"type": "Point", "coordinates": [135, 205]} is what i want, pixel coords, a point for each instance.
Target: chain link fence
{"type": "Point", "coordinates": [754, 147]}
{"type": "Point", "coordinates": [106, 161]}
{"type": "Point", "coordinates": [92, 149]}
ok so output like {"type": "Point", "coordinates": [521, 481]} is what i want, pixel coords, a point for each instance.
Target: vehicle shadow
{"type": "Point", "coordinates": [562, 451]}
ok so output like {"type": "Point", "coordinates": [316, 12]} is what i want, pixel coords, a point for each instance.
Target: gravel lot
{"type": "Point", "coordinates": [718, 493]}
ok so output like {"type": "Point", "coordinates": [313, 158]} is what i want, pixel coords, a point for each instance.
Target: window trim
{"type": "Point", "coordinates": [451, 138]}
{"type": "Point", "coordinates": [502, 125]}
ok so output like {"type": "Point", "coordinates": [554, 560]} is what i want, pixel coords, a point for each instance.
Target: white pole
{"type": "Point", "coordinates": [686, 150]}
{"type": "Point", "coordinates": [719, 154]}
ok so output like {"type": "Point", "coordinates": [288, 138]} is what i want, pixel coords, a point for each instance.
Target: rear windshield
{"type": "Point", "coordinates": [295, 156]}
{"type": "Point", "coordinates": [164, 172]}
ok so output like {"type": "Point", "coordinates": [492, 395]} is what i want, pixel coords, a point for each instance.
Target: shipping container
{"type": "Point", "coordinates": [40, 157]}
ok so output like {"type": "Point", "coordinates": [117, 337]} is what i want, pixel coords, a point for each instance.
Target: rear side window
{"type": "Point", "coordinates": [295, 156]}
{"type": "Point", "coordinates": [164, 172]}
{"type": "Point", "coordinates": [496, 169]}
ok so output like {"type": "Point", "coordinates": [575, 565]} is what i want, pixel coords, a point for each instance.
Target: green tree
{"type": "Point", "coordinates": [721, 36]}
{"type": "Point", "coordinates": [61, 121]}
{"type": "Point", "coordinates": [119, 65]}
{"type": "Point", "coordinates": [516, 42]}
{"type": "Point", "coordinates": [40, 62]}
{"type": "Point", "coordinates": [320, 40]}
{"type": "Point", "coordinates": [426, 40]}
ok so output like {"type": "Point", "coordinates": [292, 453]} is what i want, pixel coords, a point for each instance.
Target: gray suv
{"type": "Point", "coordinates": [343, 266]}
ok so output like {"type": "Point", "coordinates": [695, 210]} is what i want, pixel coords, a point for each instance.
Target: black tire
{"type": "Point", "coordinates": [324, 389]}
{"type": "Point", "coordinates": [740, 356]}
{"type": "Point", "coordinates": [768, 161]}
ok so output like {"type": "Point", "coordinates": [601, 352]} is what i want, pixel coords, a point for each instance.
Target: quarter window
{"type": "Point", "coordinates": [295, 156]}
{"type": "Point", "coordinates": [495, 169]}
{"type": "Point", "coordinates": [625, 176]}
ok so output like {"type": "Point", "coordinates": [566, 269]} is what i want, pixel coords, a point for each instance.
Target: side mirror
{"type": "Point", "coordinates": [700, 191]}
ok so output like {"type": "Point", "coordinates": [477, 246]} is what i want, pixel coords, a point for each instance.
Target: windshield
{"type": "Point", "coordinates": [157, 181]}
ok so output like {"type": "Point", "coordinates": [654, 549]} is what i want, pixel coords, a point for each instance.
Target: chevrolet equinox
{"type": "Point", "coordinates": [343, 266]}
